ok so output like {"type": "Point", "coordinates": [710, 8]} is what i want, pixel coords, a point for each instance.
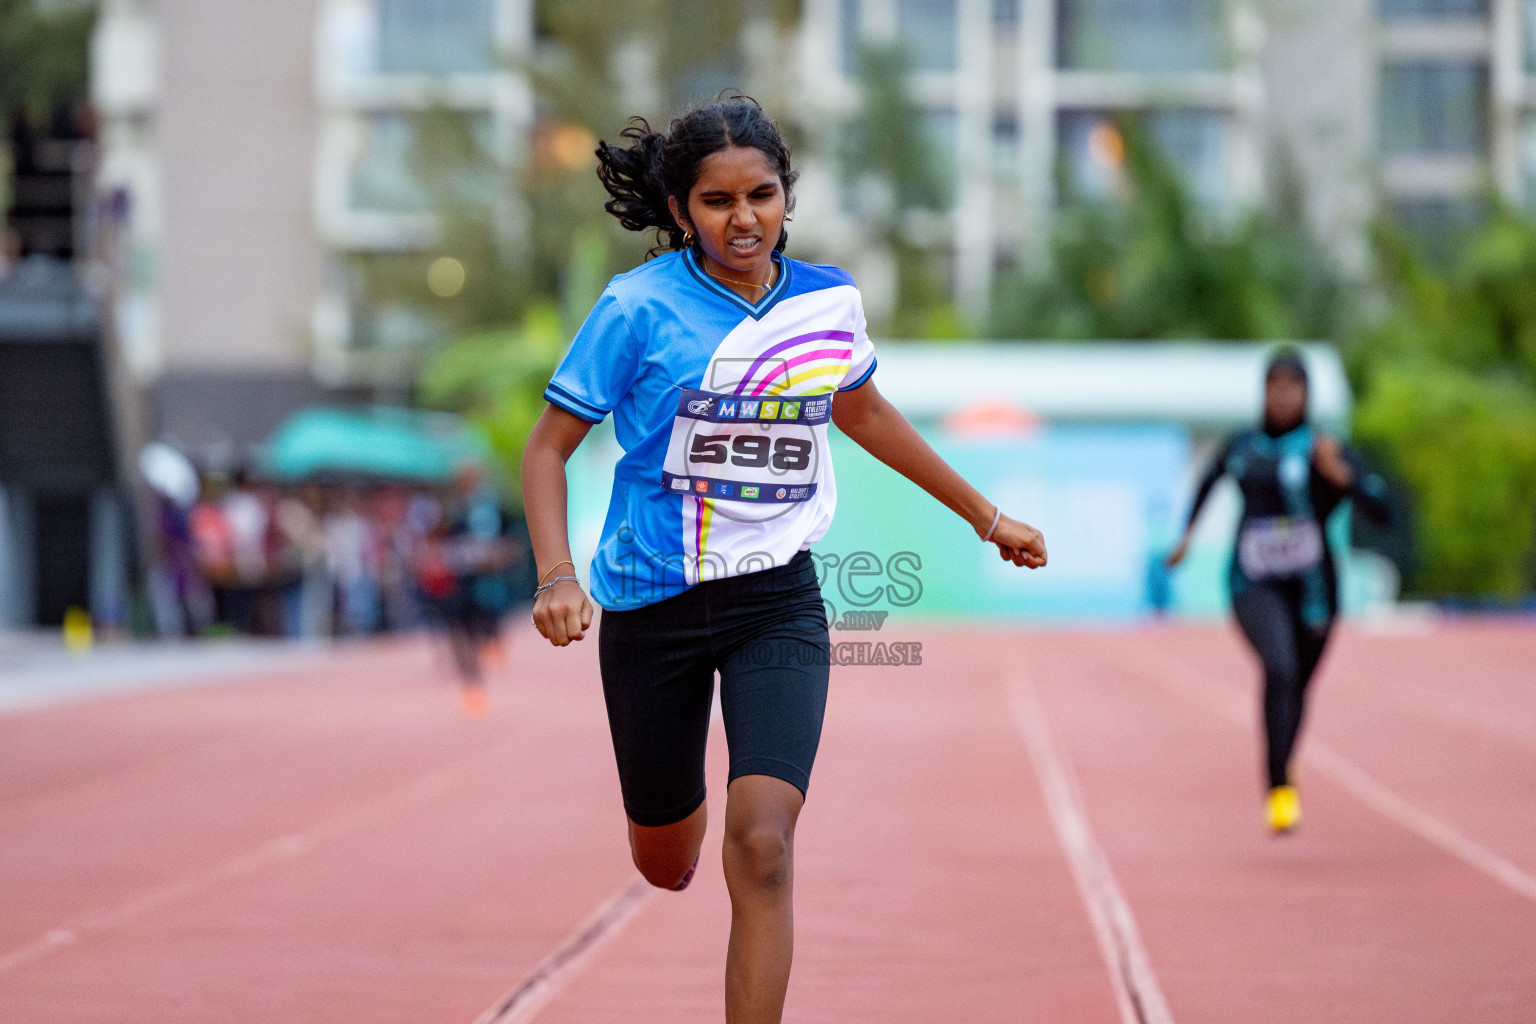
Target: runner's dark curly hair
{"type": "Point", "coordinates": [657, 165]}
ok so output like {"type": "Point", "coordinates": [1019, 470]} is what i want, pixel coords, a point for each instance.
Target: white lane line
{"type": "Point", "coordinates": [1414, 818]}
{"type": "Point", "coordinates": [1137, 992]}
{"type": "Point", "coordinates": [1328, 762]}
{"type": "Point", "coordinates": [273, 851]}
{"type": "Point", "coordinates": [555, 971]}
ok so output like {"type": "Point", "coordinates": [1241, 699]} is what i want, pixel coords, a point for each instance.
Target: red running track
{"type": "Point", "coordinates": [1031, 826]}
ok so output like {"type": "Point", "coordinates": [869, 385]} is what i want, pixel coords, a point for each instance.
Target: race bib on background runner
{"type": "Point", "coordinates": [745, 449]}
{"type": "Point", "coordinates": [1279, 546]}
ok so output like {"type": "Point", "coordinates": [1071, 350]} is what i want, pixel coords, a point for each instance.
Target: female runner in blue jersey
{"type": "Point", "coordinates": [1285, 591]}
{"type": "Point", "coordinates": [723, 362]}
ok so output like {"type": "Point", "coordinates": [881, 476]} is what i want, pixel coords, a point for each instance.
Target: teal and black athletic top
{"type": "Point", "coordinates": [1282, 534]}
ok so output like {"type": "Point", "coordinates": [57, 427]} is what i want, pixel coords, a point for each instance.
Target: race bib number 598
{"type": "Point", "coordinates": [742, 449]}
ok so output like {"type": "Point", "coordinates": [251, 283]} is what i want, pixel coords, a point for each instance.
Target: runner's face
{"type": "Point", "coordinates": [1285, 400]}
{"type": "Point", "coordinates": [736, 208]}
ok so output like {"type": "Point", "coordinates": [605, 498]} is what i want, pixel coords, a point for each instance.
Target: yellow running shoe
{"type": "Point", "coordinates": [1283, 809]}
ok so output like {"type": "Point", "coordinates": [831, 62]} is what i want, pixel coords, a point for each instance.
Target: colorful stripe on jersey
{"type": "Point", "coordinates": [772, 369]}
{"type": "Point", "coordinates": [704, 518]}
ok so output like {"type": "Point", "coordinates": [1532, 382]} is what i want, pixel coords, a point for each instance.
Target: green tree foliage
{"type": "Point", "coordinates": [496, 378]}
{"type": "Point", "coordinates": [1448, 384]}
{"type": "Point", "coordinates": [1150, 263]}
{"type": "Point", "coordinates": [44, 54]}
{"type": "Point", "coordinates": [535, 242]}
{"type": "Point", "coordinates": [892, 168]}
{"type": "Point", "coordinates": [1467, 445]}
{"type": "Point", "coordinates": [44, 62]}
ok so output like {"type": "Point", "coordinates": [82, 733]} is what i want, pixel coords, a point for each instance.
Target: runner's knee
{"type": "Point", "coordinates": [759, 855]}
{"type": "Point", "coordinates": [666, 872]}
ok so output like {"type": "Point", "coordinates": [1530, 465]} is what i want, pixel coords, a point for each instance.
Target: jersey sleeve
{"type": "Point", "coordinates": [600, 367]}
{"type": "Point", "coordinates": [862, 362]}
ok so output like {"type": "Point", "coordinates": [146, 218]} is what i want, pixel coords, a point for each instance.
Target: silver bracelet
{"type": "Point", "coordinates": [997, 516]}
{"type": "Point", "coordinates": [557, 579]}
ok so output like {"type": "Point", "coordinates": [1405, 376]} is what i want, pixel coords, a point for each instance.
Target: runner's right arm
{"type": "Point", "coordinates": [1213, 473]}
{"type": "Point", "coordinates": [563, 612]}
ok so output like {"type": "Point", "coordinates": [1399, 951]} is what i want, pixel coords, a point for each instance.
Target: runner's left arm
{"type": "Point", "coordinates": [879, 428]}
{"type": "Point", "coordinates": [1354, 479]}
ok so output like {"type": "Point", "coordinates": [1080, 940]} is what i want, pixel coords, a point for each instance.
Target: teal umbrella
{"type": "Point", "coordinates": [380, 443]}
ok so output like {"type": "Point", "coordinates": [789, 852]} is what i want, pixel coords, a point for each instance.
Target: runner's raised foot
{"type": "Point", "coordinates": [1283, 809]}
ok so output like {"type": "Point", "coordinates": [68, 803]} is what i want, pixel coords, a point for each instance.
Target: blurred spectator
{"type": "Point", "coordinates": [327, 559]}
{"type": "Point", "coordinates": [309, 603]}
{"type": "Point", "coordinates": [467, 572]}
{"type": "Point", "coordinates": [352, 551]}
{"type": "Point", "coordinates": [212, 542]}
{"type": "Point", "coordinates": [399, 542]}
{"type": "Point", "coordinates": [180, 600]}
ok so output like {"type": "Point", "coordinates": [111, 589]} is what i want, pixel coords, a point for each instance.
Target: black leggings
{"type": "Point", "coordinates": [766, 634]}
{"type": "Point", "coordinates": [1270, 616]}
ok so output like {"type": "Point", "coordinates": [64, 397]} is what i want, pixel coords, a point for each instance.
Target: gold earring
{"type": "Point", "coordinates": [789, 216]}
{"type": "Point", "coordinates": [687, 237]}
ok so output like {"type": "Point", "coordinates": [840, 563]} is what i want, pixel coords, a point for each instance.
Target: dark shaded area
{"type": "Point", "coordinates": [62, 555]}
{"type": "Point", "coordinates": [218, 418]}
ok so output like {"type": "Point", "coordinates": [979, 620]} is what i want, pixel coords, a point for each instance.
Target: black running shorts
{"type": "Point", "coordinates": [766, 634]}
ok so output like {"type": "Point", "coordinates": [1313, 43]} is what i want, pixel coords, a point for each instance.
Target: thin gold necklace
{"type": "Point", "coordinates": [749, 284]}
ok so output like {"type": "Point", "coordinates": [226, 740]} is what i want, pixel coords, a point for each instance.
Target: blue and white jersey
{"type": "Point", "coordinates": [722, 408]}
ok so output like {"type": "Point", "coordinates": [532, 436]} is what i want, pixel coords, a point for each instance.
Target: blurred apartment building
{"type": "Point", "coordinates": [255, 147]}
{"type": "Point", "coordinates": [64, 537]}
{"type": "Point", "coordinates": [252, 148]}
{"type": "Point", "coordinates": [1415, 104]}
{"type": "Point", "coordinates": [247, 152]}
{"type": "Point", "coordinates": [184, 275]}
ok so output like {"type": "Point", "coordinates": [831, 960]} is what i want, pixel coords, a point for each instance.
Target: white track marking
{"type": "Point", "coordinates": [1137, 992]}
{"type": "Point", "coordinates": [1328, 762]}
{"type": "Point", "coordinates": [273, 851]}
{"type": "Point", "coordinates": [545, 981]}
{"type": "Point", "coordinates": [1460, 713]}
{"type": "Point", "coordinates": [1388, 804]}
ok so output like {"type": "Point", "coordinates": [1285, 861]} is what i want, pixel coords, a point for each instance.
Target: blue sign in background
{"type": "Point", "coordinates": [1110, 499]}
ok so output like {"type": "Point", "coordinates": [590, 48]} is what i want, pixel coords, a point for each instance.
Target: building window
{"type": "Point", "coordinates": [1438, 224]}
{"type": "Point", "coordinates": [1141, 35]}
{"type": "Point", "coordinates": [1005, 13]}
{"type": "Point", "coordinates": [1434, 108]}
{"type": "Point", "coordinates": [942, 130]}
{"type": "Point", "coordinates": [1528, 160]}
{"type": "Point", "coordinates": [928, 32]}
{"type": "Point", "coordinates": [1006, 164]}
{"type": "Point", "coordinates": [389, 176]}
{"type": "Point", "coordinates": [1417, 9]}
{"type": "Point", "coordinates": [436, 36]}
{"type": "Point", "coordinates": [1529, 24]}
{"type": "Point", "coordinates": [848, 36]}
{"type": "Point", "coordinates": [1195, 142]}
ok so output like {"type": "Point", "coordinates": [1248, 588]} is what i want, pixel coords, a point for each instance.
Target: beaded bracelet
{"type": "Point", "coordinates": [997, 515]}
{"type": "Point", "coordinates": [557, 579]}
